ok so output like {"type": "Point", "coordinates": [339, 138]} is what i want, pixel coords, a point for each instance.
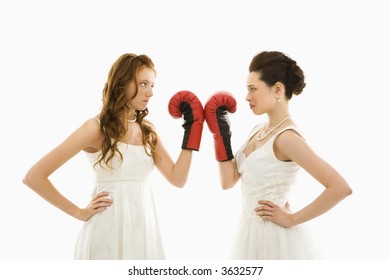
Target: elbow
{"type": "Point", "coordinates": [180, 186]}
{"type": "Point", "coordinates": [28, 179]}
{"type": "Point", "coordinates": [345, 191]}
{"type": "Point", "coordinates": [348, 191]}
{"type": "Point", "coordinates": [33, 178]}
{"type": "Point", "coordinates": [226, 185]}
{"type": "Point", "coordinates": [178, 183]}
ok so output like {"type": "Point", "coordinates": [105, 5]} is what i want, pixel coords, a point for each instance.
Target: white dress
{"type": "Point", "coordinates": [128, 229]}
{"type": "Point", "coordinates": [263, 176]}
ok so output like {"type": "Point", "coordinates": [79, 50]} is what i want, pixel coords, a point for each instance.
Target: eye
{"type": "Point", "coordinates": [142, 84]}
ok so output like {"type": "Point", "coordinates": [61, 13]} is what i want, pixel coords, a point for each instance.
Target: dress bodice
{"type": "Point", "coordinates": [136, 165]}
{"type": "Point", "coordinates": [263, 176]}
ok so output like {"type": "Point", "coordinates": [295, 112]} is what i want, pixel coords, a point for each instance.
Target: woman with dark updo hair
{"type": "Point", "coordinates": [268, 163]}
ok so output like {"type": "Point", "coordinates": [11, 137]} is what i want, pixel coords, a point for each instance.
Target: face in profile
{"type": "Point", "coordinates": [260, 96]}
{"type": "Point", "coordinates": [144, 86]}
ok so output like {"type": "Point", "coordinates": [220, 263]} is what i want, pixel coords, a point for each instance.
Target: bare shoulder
{"type": "Point", "coordinates": [288, 144]}
{"type": "Point", "coordinates": [92, 124]}
{"type": "Point", "coordinates": [153, 128]}
{"type": "Point", "coordinates": [288, 137]}
{"type": "Point", "coordinates": [90, 134]}
{"type": "Point", "coordinates": [150, 124]}
{"type": "Point", "coordinates": [87, 136]}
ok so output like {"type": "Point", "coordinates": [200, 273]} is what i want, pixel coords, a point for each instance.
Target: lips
{"type": "Point", "coordinates": [144, 104]}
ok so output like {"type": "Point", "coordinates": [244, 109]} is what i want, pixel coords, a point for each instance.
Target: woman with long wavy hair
{"type": "Point", "coordinates": [123, 148]}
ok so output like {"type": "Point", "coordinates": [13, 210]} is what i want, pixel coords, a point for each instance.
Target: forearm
{"type": "Point", "coordinates": [228, 174]}
{"type": "Point", "coordinates": [181, 168]}
{"type": "Point", "coordinates": [43, 187]}
{"type": "Point", "coordinates": [323, 203]}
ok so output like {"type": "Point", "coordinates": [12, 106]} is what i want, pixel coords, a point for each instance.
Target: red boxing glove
{"type": "Point", "coordinates": [185, 103]}
{"type": "Point", "coordinates": [216, 114]}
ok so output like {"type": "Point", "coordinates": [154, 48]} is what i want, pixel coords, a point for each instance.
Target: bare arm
{"type": "Point", "coordinates": [37, 178]}
{"type": "Point", "coordinates": [175, 172]}
{"type": "Point", "coordinates": [293, 147]}
{"type": "Point", "coordinates": [228, 174]}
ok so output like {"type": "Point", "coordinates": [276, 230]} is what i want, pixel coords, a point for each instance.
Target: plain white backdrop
{"type": "Point", "coordinates": [54, 60]}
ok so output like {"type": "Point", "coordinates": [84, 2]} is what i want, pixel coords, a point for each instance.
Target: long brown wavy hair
{"type": "Point", "coordinates": [115, 110]}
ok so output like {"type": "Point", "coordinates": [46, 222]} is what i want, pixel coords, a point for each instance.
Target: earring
{"type": "Point", "coordinates": [277, 98]}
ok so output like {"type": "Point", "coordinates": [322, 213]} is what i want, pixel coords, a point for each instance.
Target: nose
{"type": "Point", "coordinates": [248, 97]}
{"type": "Point", "coordinates": [149, 92]}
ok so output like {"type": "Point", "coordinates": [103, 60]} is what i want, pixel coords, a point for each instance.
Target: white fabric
{"type": "Point", "coordinates": [263, 176]}
{"type": "Point", "coordinates": [128, 229]}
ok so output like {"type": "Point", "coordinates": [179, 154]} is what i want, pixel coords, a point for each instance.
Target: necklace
{"type": "Point", "coordinates": [262, 134]}
{"type": "Point", "coordinates": [133, 120]}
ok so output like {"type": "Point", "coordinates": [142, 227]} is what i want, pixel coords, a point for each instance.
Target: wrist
{"type": "Point", "coordinates": [222, 145]}
{"type": "Point", "coordinates": [192, 136]}
{"type": "Point", "coordinates": [294, 219]}
{"type": "Point", "coordinates": [80, 214]}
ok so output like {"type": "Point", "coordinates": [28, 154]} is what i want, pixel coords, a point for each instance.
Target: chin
{"type": "Point", "coordinates": [141, 108]}
{"type": "Point", "coordinates": [256, 112]}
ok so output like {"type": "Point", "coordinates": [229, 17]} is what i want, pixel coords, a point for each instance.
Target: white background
{"type": "Point", "coordinates": [54, 60]}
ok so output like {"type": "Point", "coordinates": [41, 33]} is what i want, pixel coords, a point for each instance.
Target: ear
{"type": "Point", "coordinates": [279, 88]}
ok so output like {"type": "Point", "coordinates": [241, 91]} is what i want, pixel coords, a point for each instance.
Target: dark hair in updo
{"type": "Point", "coordinates": [276, 67]}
